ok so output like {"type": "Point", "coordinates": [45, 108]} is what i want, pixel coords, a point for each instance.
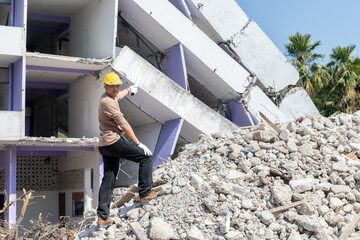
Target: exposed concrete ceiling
{"type": "Point", "coordinates": [133, 114]}
{"type": "Point", "coordinates": [6, 59]}
{"type": "Point", "coordinates": [57, 8]}
{"type": "Point", "coordinates": [60, 62]}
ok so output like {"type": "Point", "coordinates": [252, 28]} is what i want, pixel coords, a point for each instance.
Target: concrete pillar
{"type": "Point", "coordinates": [176, 66]}
{"type": "Point", "coordinates": [238, 114]}
{"type": "Point", "coordinates": [10, 183]}
{"type": "Point", "coordinates": [167, 141]}
{"type": "Point", "coordinates": [88, 193]}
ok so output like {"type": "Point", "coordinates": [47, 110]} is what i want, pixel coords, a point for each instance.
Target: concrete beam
{"type": "Point", "coordinates": [165, 26]}
{"type": "Point", "coordinates": [54, 148]}
{"type": "Point", "coordinates": [163, 99]}
{"type": "Point", "coordinates": [304, 105]}
{"type": "Point", "coordinates": [167, 141]}
{"type": "Point", "coordinates": [247, 39]}
{"type": "Point", "coordinates": [257, 102]}
{"type": "Point", "coordinates": [205, 14]}
{"type": "Point", "coordinates": [57, 69]}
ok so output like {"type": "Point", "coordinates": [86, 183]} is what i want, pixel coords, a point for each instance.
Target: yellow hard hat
{"type": "Point", "coordinates": [112, 79]}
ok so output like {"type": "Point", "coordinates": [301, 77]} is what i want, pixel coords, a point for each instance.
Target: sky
{"type": "Point", "coordinates": [333, 22]}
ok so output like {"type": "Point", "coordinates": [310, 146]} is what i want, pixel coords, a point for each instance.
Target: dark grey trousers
{"type": "Point", "coordinates": [125, 149]}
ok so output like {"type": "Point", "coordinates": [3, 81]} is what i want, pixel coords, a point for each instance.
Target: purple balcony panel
{"type": "Point", "coordinates": [176, 65]}
{"type": "Point", "coordinates": [56, 69]}
{"type": "Point", "coordinates": [17, 10]}
{"type": "Point", "coordinates": [17, 89]}
{"type": "Point", "coordinates": [237, 114]}
{"type": "Point", "coordinates": [10, 183]}
{"type": "Point", "coordinates": [182, 7]}
{"type": "Point", "coordinates": [167, 141]}
{"type": "Point", "coordinates": [48, 18]}
{"type": "Point", "coordinates": [12, 12]}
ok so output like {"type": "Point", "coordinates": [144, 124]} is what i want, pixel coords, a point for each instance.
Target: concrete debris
{"type": "Point", "coordinates": [234, 187]}
{"type": "Point", "coordinates": [61, 141]}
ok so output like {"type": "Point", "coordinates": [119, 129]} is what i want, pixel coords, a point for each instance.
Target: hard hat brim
{"type": "Point", "coordinates": [114, 83]}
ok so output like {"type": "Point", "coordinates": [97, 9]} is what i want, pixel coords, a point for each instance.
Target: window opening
{"type": "Point", "coordinates": [78, 204]}
{"type": "Point", "coordinates": [141, 45]}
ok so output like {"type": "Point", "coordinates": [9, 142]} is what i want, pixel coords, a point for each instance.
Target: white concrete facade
{"type": "Point", "coordinates": [165, 26]}
{"type": "Point", "coordinates": [246, 38]}
{"type": "Point", "coordinates": [304, 105]}
{"type": "Point", "coordinates": [11, 125]}
{"type": "Point", "coordinates": [11, 44]}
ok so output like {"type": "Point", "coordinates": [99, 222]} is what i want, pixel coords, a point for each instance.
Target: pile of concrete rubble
{"type": "Point", "coordinates": [298, 180]}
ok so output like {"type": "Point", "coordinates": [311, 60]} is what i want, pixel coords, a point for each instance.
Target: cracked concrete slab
{"type": "Point", "coordinates": [247, 39]}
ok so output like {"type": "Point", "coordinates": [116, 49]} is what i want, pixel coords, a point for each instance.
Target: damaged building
{"type": "Point", "coordinates": [201, 66]}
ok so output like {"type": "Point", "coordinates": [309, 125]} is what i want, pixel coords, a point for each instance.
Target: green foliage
{"type": "Point", "coordinates": [335, 87]}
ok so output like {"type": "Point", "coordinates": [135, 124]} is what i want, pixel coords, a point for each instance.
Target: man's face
{"type": "Point", "coordinates": [112, 90]}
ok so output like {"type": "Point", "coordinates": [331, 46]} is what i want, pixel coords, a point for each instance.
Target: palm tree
{"type": "Point", "coordinates": [344, 68]}
{"type": "Point", "coordinates": [301, 49]}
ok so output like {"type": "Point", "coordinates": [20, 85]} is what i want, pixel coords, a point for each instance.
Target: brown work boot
{"type": "Point", "coordinates": [149, 197]}
{"type": "Point", "coordinates": [104, 222]}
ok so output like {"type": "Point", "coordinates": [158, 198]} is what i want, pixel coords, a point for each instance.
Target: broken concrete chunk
{"type": "Point", "coordinates": [265, 136]}
{"type": "Point", "coordinates": [196, 181]}
{"type": "Point", "coordinates": [334, 203]}
{"type": "Point", "coordinates": [307, 209]}
{"type": "Point", "coordinates": [340, 189]}
{"type": "Point", "coordinates": [281, 194]}
{"type": "Point", "coordinates": [284, 134]}
{"type": "Point", "coordinates": [302, 185]}
{"type": "Point", "coordinates": [195, 234]}
{"type": "Point", "coordinates": [160, 230]}
{"type": "Point", "coordinates": [233, 235]}
{"type": "Point", "coordinates": [235, 148]}
{"type": "Point", "coordinates": [311, 223]}
{"type": "Point", "coordinates": [341, 166]}
{"type": "Point", "coordinates": [266, 217]}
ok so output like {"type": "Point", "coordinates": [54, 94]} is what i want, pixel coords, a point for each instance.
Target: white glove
{"type": "Point", "coordinates": [147, 151]}
{"type": "Point", "coordinates": [133, 90]}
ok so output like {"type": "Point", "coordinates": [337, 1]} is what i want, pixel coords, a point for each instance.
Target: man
{"type": "Point", "coordinates": [114, 145]}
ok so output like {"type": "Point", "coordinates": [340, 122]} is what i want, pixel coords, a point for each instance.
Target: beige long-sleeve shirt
{"type": "Point", "coordinates": [111, 120]}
